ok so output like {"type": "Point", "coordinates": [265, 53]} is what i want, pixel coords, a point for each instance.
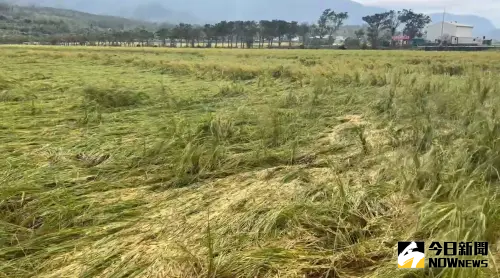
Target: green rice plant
{"type": "Point", "coordinates": [221, 129]}
{"type": "Point", "coordinates": [293, 152]}
{"type": "Point", "coordinates": [308, 62]}
{"type": "Point", "coordinates": [306, 168]}
{"type": "Point", "coordinates": [290, 100]}
{"type": "Point", "coordinates": [238, 74]}
{"type": "Point", "coordinates": [11, 96]}
{"type": "Point", "coordinates": [274, 129]}
{"type": "Point", "coordinates": [386, 104]}
{"type": "Point", "coordinates": [112, 98]}
{"type": "Point", "coordinates": [191, 159]}
{"type": "Point", "coordinates": [210, 246]}
{"type": "Point", "coordinates": [5, 83]}
{"type": "Point", "coordinates": [356, 79]}
{"type": "Point", "coordinates": [277, 128]}
{"type": "Point", "coordinates": [33, 108]}
{"type": "Point", "coordinates": [359, 130]}
{"type": "Point", "coordinates": [450, 70]}
{"type": "Point", "coordinates": [231, 90]}
{"type": "Point", "coordinates": [282, 72]}
{"type": "Point", "coordinates": [322, 87]}
{"type": "Point", "coordinates": [92, 114]}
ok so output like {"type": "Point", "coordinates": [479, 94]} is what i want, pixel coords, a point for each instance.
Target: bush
{"type": "Point", "coordinates": [386, 43]}
{"type": "Point", "coordinates": [352, 43]}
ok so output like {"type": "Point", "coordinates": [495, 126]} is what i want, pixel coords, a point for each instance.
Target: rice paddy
{"type": "Point", "coordinates": [135, 162]}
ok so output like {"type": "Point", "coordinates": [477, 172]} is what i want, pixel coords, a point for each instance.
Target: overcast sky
{"type": "Point", "coordinates": [486, 8]}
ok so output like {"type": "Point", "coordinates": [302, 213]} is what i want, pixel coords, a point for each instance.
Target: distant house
{"type": "Point", "coordinates": [339, 40]}
{"type": "Point", "coordinates": [285, 39]}
{"type": "Point", "coordinates": [451, 32]}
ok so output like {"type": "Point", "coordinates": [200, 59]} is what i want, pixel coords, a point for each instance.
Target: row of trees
{"type": "Point", "coordinates": [237, 33]}
{"type": "Point", "coordinates": [246, 33]}
{"type": "Point", "coordinates": [389, 23]}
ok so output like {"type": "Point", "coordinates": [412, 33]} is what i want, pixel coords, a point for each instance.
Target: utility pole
{"type": "Point", "coordinates": [442, 23]}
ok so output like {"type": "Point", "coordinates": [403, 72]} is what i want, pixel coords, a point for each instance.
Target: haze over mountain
{"type": "Point", "coordinates": [202, 11]}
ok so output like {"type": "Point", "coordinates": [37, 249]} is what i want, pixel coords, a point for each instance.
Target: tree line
{"type": "Point", "coordinates": [379, 30]}
{"type": "Point", "coordinates": [388, 23]}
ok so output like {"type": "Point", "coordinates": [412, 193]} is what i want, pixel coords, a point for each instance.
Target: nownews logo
{"type": "Point", "coordinates": [412, 254]}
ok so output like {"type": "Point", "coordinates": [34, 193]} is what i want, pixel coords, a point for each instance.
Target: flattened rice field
{"type": "Point", "coordinates": [133, 162]}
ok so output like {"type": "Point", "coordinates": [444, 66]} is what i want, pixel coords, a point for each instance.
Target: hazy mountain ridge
{"type": "Point", "coordinates": [20, 23]}
{"type": "Point", "coordinates": [200, 11]}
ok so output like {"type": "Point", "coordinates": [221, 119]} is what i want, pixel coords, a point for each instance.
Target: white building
{"type": "Point", "coordinates": [452, 32]}
{"type": "Point", "coordinates": [339, 40]}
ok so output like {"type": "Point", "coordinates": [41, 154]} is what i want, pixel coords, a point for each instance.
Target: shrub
{"type": "Point", "coordinates": [352, 43]}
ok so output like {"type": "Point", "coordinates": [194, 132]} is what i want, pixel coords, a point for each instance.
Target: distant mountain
{"type": "Point", "coordinates": [298, 10]}
{"type": "Point", "coordinates": [19, 22]}
{"type": "Point", "coordinates": [152, 11]}
{"type": "Point", "coordinates": [495, 34]}
{"type": "Point", "coordinates": [203, 11]}
{"type": "Point", "coordinates": [73, 18]}
{"type": "Point", "coordinates": [156, 12]}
